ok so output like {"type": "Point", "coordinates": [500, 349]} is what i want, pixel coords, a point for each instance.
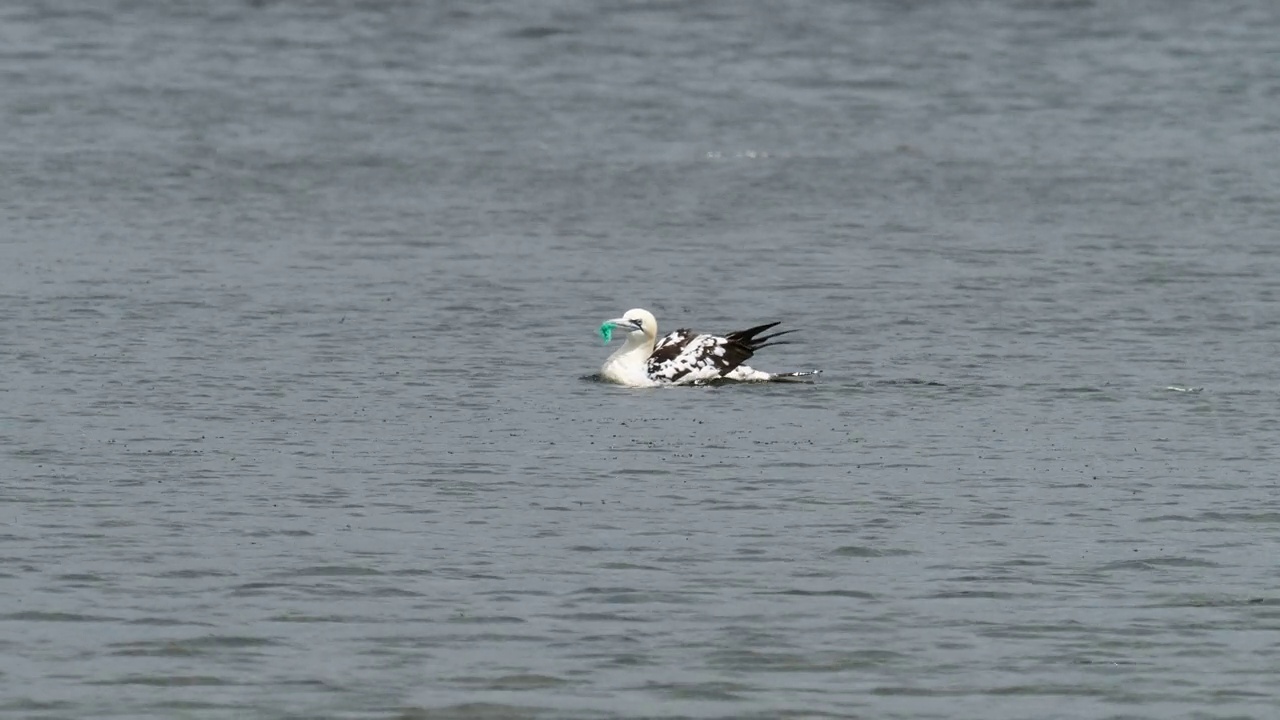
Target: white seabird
{"type": "Point", "coordinates": [684, 357]}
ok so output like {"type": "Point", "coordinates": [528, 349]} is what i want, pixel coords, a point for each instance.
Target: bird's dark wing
{"type": "Point", "coordinates": [684, 357]}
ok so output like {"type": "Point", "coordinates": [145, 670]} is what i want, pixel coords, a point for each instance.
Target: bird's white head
{"type": "Point", "coordinates": [638, 323]}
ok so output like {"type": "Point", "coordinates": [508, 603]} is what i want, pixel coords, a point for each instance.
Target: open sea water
{"type": "Point", "coordinates": [298, 305]}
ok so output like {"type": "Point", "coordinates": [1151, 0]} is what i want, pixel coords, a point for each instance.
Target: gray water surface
{"type": "Point", "coordinates": [297, 313]}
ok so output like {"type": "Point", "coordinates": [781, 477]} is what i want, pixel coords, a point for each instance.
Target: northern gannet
{"type": "Point", "coordinates": [684, 357]}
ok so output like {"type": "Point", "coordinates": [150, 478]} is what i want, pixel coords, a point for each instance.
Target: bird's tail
{"type": "Point", "coordinates": [794, 376]}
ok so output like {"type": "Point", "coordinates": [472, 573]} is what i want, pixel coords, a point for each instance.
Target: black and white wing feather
{"type": "Point", "coordinates": [684, 357]}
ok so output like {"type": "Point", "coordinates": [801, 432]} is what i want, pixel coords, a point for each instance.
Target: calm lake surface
{"type": "Point", "coordinates": [297, 341]}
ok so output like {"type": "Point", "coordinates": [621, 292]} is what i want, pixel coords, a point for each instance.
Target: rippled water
{"type": "Point", "coordinates": [297, 340]}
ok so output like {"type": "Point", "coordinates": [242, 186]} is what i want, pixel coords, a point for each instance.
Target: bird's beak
{"type": "Point", "coordinates": [625, 324]}
{"type": "Point", "coordinates": [606, 328]}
